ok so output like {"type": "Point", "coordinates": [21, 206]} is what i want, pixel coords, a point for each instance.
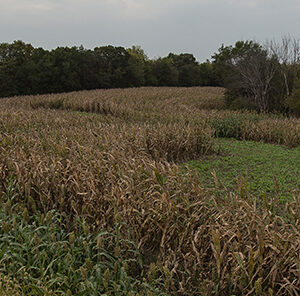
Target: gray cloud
{"type": "Point", "coordinates": [160, 27]}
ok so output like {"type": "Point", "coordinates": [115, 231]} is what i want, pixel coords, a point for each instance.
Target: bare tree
{"type": "Point", "coordinates": [262, 75]}
{"type": "Point", "coordinates": [288, 54]}
{"type": "Point", "coordinates": [253, 73]}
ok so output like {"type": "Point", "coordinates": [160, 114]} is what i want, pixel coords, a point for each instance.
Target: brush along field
{"type": "Point", "coordinates": [106, 192]}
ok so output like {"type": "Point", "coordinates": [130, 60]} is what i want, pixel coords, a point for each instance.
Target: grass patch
{"type": "Point", "coordinates": [264, 169]}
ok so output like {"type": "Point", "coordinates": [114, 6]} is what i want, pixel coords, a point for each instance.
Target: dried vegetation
{"type": "Point", "coordinates": [123, 165]}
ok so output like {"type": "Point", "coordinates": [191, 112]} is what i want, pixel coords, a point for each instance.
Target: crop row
{"type": "Point", "coordinates": [107, 170]}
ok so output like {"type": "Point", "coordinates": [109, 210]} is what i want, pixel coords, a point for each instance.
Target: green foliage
{"type": "Point", "coordinates": [138, 64]}
{"type": "Point", "coordinates": [27, 70]}
{"type": "Point", "coordinates": [228, 127]}
{"type": "Point", "coordinates": [14, 67]}
{"type": "Point", "coordinates": [253, 77]}
{"type": "Point", "coordinates": [235, 101]}
{"type": "Point", "coordinates": [232, 126]}
{"type": "Point", "coordinates": [42, 256]}
{"type": "Point", "coordinates": [187, 67]}
{"type": "Point", "coordinates": [265, 170]}
{"type": "Point", "coordinates": [165, 72]}
{"type": "Point", "coordinates": [293, 101]}
{"type": "Point", "coordinates": [207, 75]}
{"type": "Point", "coordinates": [222, 59]}
{"type": "Point", "coordinates": [112, 66]}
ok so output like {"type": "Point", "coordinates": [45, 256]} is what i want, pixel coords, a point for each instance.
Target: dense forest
{"type": "Point", "coordinates": [261, 77]}
{"type": "Point", "coordinates": [28, 70]}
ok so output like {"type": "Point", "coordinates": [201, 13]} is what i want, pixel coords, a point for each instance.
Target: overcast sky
{"type": "Point", "coordinates": [158, 26]}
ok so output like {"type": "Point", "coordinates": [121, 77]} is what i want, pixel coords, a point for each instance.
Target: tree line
{"type": "Point", "coordinates": [264, 77]}
{"type": "Point", "coordinates": [28, 70]}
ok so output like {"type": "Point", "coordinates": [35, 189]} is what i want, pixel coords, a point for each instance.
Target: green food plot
{"type": "Point", "coordinates": [264, 169]}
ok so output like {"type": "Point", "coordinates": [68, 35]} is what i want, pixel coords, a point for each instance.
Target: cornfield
{"type": "Point", "coordinates": [117, 157]}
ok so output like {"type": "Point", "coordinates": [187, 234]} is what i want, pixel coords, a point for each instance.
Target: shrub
{"type": "Point", "coordinates": [232, 125]}
{"type": "Point", "coordinates": [293, 101]}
